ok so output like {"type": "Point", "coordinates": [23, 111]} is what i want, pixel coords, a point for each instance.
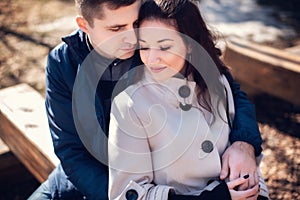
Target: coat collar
{"type": "Point", "coordinates": [170, 88]}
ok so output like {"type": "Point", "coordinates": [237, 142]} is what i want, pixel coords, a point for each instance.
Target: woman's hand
{"type": "Point", "coordinates": [249, 194]}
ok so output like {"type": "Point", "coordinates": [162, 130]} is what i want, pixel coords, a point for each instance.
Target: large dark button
{"type": "Point", "coordinates": [184, 91]}
{"type": "Point", "coordinates": [131, 195]}
{"type": "Point", "coordinates": [207, 146]}
{"type": "Point", "coordinates": [185, 107]}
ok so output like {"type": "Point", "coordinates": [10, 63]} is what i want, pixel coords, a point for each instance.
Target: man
{"type": "Point", "coordinates": [80, 174]}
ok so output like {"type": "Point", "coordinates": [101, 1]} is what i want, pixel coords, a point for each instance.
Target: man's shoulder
{"type": "Point", "coordinates": [72, 48]}
{"type": "Point", "coordinates": [59, 50]}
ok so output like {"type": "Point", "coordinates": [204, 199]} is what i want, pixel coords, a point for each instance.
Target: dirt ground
{"type": "Point", "coordinates": [26, 41]}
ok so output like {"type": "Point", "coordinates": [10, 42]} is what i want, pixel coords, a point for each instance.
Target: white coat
{"type": "Point", "coordinates": [155, 146]}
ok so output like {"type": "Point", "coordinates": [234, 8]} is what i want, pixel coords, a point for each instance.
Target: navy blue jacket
{"type": "Point", "coordinates": [79, 169]}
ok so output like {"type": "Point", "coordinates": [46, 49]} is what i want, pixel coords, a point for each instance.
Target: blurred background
{"type": "Point", "coordinates": [30, 28]}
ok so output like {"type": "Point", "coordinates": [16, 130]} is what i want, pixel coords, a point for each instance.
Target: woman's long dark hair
{"type": "Point", "coordinates": [186, 17]}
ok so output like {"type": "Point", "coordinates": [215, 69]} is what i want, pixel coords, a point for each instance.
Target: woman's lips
{"type": "Point", "coordinates": [157, 69]}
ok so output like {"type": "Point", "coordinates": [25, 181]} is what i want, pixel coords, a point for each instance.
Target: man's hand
{"type": "Point", "coordinates": [237, 161]}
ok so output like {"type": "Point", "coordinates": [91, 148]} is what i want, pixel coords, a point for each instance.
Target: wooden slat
{"type": "Point", "coordinates": [24, 129]}
{"type": "Point", "coordinates": [293, 50]}
{"type": "Point", "coordinates": [3, 148]}
{"type": "Point", "coordinates": [264, 68]}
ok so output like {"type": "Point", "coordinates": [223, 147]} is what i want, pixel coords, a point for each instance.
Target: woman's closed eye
{"type": "Point", "coordinates": [164, 48]}
{"type": "Point", "coordinates": [144, 48]}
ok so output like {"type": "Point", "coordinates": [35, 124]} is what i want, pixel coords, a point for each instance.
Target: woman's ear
{"type": "Point", "coordinates": [82, 24]}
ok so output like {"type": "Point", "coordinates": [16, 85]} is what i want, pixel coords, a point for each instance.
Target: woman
{"type": "Point", "coordinates": [169, 130]}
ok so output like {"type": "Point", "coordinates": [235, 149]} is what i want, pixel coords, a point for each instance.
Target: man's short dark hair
{"type": "Point", "coordinates": [91, 9]}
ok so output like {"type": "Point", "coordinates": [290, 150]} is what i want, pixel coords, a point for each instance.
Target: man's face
{"type": "Point", "coordinates": [113, 36]}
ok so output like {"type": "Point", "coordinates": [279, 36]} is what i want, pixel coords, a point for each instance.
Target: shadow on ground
{"type": "Point", "coordinates": [278, 113]}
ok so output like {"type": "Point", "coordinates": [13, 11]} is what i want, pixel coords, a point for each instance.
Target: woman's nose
{"type": "Point", "coordinates": [153, 56]}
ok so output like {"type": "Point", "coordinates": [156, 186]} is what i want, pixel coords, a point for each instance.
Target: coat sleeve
{"type": "Point", "coordinates": [88, 175]}
{"type": "Point", "coordinates": [130, 163]}
{"type": "Point", "coordinates": [245, 127]}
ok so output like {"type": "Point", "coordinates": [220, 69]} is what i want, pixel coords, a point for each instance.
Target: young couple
{"type": "Point", "coordinates": [170, 133]}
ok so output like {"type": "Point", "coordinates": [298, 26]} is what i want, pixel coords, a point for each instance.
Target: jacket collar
{"type": "Point", "coordinates": [80, 48]}
{"type": "Point", "coordinates": [77, 43]}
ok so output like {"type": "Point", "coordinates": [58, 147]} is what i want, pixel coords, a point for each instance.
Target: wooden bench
{"type": "Point", "coordinates": [24, 130]}
{"type": "Point", "coordinates": [265, 69]}
{"type": "Point", "coordinates": [12, 172]}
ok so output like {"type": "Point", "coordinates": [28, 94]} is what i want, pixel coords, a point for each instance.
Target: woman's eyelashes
{"type": "Point", "coordinates": [144, 48]}
{"type": "Point", "coordinates": [162, 48]}
{"type": "Point", "coordinates": [166, 48]}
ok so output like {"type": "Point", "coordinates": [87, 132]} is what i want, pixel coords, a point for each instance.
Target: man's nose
{"type": "Point", "coordinates": [130, 37]}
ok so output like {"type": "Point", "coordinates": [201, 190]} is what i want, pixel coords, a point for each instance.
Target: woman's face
{"type": "Point", "coordinates": [162, 49]}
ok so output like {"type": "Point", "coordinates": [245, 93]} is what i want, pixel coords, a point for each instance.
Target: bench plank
{"type": "Point", "coordinates": [265, 69]}
{"type": "Point", "coordinates": [24, 129]}
{"type": "Point", "coordinates": [3, 148]}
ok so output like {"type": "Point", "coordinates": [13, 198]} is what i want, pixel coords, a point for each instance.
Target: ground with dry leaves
{"type": "Point", "coordinates": [23, 56]}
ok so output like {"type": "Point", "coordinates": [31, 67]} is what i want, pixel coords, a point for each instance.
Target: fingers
{"type": "Point", "coordinates": [234, 174]}
{"type": "Point", "coordinates": [253, 180]}
{"type": "Point", "coordinates": [250, 194]}
{"type": "Point", "coordinates": [225, 167]}
{"type": "Point", "coordinates": [235, 183]}
{"type": "Point", "coordinates": [253, 197]}
{"type": "Point", "coordinates": [245, 185]}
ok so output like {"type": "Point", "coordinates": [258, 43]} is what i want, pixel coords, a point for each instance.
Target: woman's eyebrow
{"type": "Point", "coordinates": [163, 40]}
{"type": "Point", "coordinates": [159, 41]}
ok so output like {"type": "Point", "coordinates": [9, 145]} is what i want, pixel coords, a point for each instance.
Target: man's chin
{"type": "Point", "coordinates": [126, 55]}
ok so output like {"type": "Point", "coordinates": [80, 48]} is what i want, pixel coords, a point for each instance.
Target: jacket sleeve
{"type": "Point", "coordinates": [245, 127]}
{"type": "Point", "coordinates": [130, 164]}
{"type": "Point", "coordinates": [88, 175]}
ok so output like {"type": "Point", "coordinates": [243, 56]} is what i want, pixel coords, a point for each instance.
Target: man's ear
{"type": "Point", "coordinates": [82, 24]}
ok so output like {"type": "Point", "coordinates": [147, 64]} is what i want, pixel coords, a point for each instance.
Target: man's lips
{"type": "Point", "coordinates": [128, 48]}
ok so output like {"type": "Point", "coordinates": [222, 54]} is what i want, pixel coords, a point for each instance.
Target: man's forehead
{"type": "Point", "coordinates": [121, 15]}
{"type": "Point", "coordinates": [111, 8]}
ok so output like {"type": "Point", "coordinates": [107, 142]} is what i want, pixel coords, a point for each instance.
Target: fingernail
{"type": "Point", "coordinates": [246, 176]}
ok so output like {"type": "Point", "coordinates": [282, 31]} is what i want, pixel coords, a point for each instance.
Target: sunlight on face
{"type": "Point", "coordinates": [162, 49]}
{"type": "Point", "coordinates": [114, 35]}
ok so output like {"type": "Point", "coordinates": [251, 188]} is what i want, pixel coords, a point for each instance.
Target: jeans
{"type": "Point", "coordinates": [42, 192]}
{"type": "Point", "coordinates": [57, 187]}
